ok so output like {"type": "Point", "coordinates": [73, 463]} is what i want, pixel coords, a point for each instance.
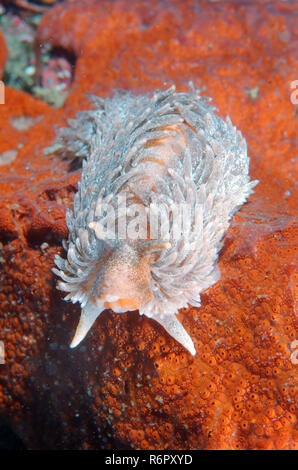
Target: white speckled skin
{"type": "Point", "coordinates": [169, 148]}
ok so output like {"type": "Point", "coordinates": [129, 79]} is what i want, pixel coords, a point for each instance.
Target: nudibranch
{"type": "Point", "coordinates": [146, 159]}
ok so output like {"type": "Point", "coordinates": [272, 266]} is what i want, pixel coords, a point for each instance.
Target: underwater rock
{"type": "Point", "coordinates": [3, 53]}
{"type": "Point", "coordinates": [129, 384]}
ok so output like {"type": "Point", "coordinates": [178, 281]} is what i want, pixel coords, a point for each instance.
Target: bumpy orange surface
{"type": "Point", "coordinates": [129, 384]}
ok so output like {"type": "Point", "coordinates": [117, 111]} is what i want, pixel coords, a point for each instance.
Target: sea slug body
{"type": "Point", "coordinates": [145, 160]}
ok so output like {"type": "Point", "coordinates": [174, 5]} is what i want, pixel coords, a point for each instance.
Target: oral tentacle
{"type": "Point", "coordinates": [176, 330]}
{"type": "Point", "coordinates": [88, 316]}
